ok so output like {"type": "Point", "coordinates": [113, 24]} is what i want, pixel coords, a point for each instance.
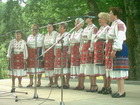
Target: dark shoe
{"type": "Point", "coordinates": [81, 88]}
{"type": "Point", "coordinates": [13, 90]}
{"type": "Point", "coordinates": [61, 86]}
{"type": "Point", "coordinates": [88, 90]}
{"type": "Point", "coordinates": [66, 87]}
{"type": "Point", "coordinates": [30, 85]}
{"type": "Point", "coordinates": [118, 95]}
{"type": "Point", "coordinates": [107, 91]}
{"type": "Point", "coordinates": [93, 90]}
{"type": "Point", "coordinates": [102, 90]}
{"type": "Point", "coordinates": [38, 85]}
{"type": "Point", "coordinates": [113, 95]}
{"type": "Point", "coordinates": [76, 88]}
{"type": "Point", "coordinates": [55, 86]}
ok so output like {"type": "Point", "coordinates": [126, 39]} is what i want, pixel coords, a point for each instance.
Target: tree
{"type": "Point", "coordinates": [2, 9]}
{"type": "Point", "coordinates": [133, 33]}
{"type": "Point", "coordinates": [44, 11]}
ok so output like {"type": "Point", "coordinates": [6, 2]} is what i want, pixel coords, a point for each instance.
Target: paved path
{"type": "Point", "coordinates": [71, 97]}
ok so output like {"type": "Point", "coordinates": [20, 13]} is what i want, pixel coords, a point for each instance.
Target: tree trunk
{"type": "Point", "coordinates": [133, 40]}
{"type": "Point", "coordinates": [136, 11]}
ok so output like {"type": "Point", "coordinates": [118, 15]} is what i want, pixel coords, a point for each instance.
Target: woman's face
{"type": "Point", "coordinates": [50, 28]}
{"type": "Point", "coordinates": [62, 29]}
{"type": "Point", "coordinates": [79, 25]}
{"type": "Point", "coordinates": [18, 36]}
{"type": "Point", "coordinates": [102, 21]}
{"type": "Point", "coordinates": [34, 30]}
{"type": "Point", "coordinates": [88, 20]}
{"type": "Point", "coordinates": [111, 16]}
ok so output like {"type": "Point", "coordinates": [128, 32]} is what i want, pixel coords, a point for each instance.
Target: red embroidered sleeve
{"type": "Point", "coordinates": [120, 27]}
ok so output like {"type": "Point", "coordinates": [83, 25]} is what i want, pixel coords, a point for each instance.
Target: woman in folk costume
{"type": "Point", "coordinates": [17, 56]}
{"type": "Point", "coordinates": [34, 43]}
{"type": "Point", "coordinates": [99, 51]}
{"type": "Point", "coordinates": [49, 57]}
{"type": "Point", "coordinates": [57, 64]}
{"type": "Point", "coordinates": [117, 51]}
{"type": "Point", "coordinates": [75, 40]}
{"type": "Point", "coordinates": [86, 68]}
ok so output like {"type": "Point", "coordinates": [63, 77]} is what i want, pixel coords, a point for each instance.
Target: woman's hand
{"type": "Point", "coordinates": [113, 54]}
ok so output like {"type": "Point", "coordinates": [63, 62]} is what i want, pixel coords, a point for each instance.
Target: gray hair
{"type": "Point", "coordinates": [80, 20]}
{"type": "Point", "coordinates": [65, 25]}
{"type": "Point", "coordinates": [18, 31]}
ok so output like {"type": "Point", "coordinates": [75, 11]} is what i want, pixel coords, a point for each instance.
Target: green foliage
{"type": "Point", "coordinates": [44, 11]}
{"type": "Point", "coordinates": [104, 6]}
{"type": "Point", "coordinates": [3, 61]}
{"type": "Point", "coordinates": [2, 9]}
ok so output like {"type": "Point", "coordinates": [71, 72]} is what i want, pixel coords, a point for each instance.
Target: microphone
{"type": "Point", "coordinates": [75, 17]}
{"type": "Point", "coordinates": [93, 17]}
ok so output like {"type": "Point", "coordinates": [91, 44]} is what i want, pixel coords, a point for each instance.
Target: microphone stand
{"type": "Point", "coordinates": [62, 41]}
{"type": "Point", "coordinates": [35, 86]}
{"type": "Point", "coordinates": [62, 77]}
{"type": "Point", "coordinates": [13, 92]}
{"type": "Point", "coordinates": [8, 33]}
{"type": "Point", "coordinates": [35, 78]}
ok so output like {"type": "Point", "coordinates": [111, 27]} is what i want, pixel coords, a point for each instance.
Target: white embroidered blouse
{"type": "Point", "coordinates": [101, 34]}
{"type": "Point", "coordinates": [32, 40]}
{"type": "Point", "coordinates": [50, 39]}
{"type": "Point", "coordinates": [88, 34]}
{"type": "Point", "coordinates": [76, 36]}
{"type": "Point", "coordinates": [17, 47]}
{"type": "Point", "coordinates": [65, 39]}
{"type": "Point", "coordinates": [117, 32]}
